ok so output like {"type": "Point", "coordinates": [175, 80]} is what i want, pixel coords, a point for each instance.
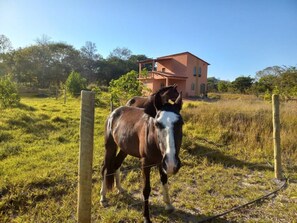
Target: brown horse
{"type": "Point", "coordinates": [156, 141]}
{"type": "Point", "coordinates": [167, 93]}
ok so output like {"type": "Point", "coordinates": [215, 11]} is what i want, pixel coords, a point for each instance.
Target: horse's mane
{"type": "Point", "coordinates": [162, 90]}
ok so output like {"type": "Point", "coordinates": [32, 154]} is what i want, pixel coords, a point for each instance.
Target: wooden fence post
{"type": "Point", "coordinates": [85, 157]}
{"type": "Point", "coordinates": [276, 137]}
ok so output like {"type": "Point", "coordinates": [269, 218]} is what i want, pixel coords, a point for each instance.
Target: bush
{"type": "Point", "coordinates": [9, 96]}
{"type": "Point", "coordinates": [99, 101]}
{"type": "Point", "coordinates": [125, 87]}
{"type": "Point", "coordinates": [75, 83]}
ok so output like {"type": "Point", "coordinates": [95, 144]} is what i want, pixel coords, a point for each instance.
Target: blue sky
{"type": "Point", "coordinates": [236, 37]}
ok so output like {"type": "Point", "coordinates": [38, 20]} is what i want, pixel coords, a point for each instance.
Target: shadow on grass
{"type": "Point", "coordinates": [26, 107]}
{"type": "Point", "coordinates": [159, 213]}
{"type": "Point", "coordinates": [217, 156]}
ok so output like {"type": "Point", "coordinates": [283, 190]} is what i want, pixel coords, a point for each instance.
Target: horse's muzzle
{"type": "Point", "coordinates": [171, 166]}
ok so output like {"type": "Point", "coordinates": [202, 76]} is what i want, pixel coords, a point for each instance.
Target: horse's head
{"type": "Point", "coordinates": [168, 123]}
{"type": "Point", "coordinates": [169, 93]}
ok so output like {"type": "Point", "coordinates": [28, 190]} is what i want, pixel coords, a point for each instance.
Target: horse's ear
{"type": "Point", "coordinates": [158, 103]}
{"type": "Point", "coordinates": [179, 101]}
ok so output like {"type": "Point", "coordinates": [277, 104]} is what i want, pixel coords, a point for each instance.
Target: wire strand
{"type": "Point", "coordinates": [246, 204]}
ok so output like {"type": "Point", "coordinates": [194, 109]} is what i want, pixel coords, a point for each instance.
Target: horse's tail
{"type": "Point", "coordinates": [109, 160]}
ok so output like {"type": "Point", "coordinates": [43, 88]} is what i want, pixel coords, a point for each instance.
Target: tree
{"type": "Point", "coordinates": [267, 82]}
{"type": "Point", "coordinates": [212, 84]}
{"type": "Point", "coordinates": [47, 63]}
{"type": "Point", "coordinates": [223, 86]}
{"type": "Point", "coordinates": [242, 83]}
{"type": "Point", "coordinates": [8, 92]}
{"type": "Point", "coordinates": [75, 83]}
{"type": "Point", "coordinates": [44, 64]}
{"type": "Point", "coordinates": [284, 79]}
{"type": "Point", "coordinates": [5, 49]}
{"type": "Point", "coordinates": [269, 71]}
{"type": "Point", "coordinates": [89, 51]}
{"type": "Point", "coordinates": [43, 40]}
{"type": "Point", "coordinates": [5, 45]}
{"type": "Point", "coordinates": [125, 87]}
{"type": "Point", "coordinates": [287, 83]}
{"type": "Point", "coordinates": [90, 59]}
{"type": "Point", "coordinates": [120, 53]}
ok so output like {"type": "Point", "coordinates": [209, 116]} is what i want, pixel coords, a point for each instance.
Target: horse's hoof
{"type": "Point", "coordinates": [147, 220]}
{"type": "Point", "coordinates": [121, 190]}
{"type": "Point", "coordinates": [103, 202]}
{"type": "Point", "coordinates": [169, 208]}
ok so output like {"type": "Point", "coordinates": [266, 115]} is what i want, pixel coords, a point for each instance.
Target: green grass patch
{"type": "Point", "coordinates": [227, 159]}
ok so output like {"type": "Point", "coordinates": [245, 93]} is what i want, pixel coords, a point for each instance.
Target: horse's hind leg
{"type": "Point", "coordinates": [108, 168]}
{"type": "Point", "coordinates": [164, 179]}
{"type": "Point", "coordinates": [119, 160]}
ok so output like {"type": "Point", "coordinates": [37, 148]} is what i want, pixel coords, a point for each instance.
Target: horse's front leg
{"type": "Point", "coordinates": [164, 180]}
{"type": "Point", "coordinates": [146, 192]}
{"type": "Point", "coordinates": [118, 162]}
{"type": "Point", "coordinates": [103, 190]}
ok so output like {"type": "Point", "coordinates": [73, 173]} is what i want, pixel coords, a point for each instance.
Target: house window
{"type": "Point", "coordinates": [193, 87]}
{"type": "Point", "coordinates": [163, 69]}
{"type": "Point", "coordinates": [199, 72]}
{"type": "Point", "coordinates": [194, 71]}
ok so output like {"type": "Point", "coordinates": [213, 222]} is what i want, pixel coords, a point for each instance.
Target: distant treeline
{"type": "Point", "coordinates": [276, 79]}
{"type": "Point", "coordinates": [48, 63]}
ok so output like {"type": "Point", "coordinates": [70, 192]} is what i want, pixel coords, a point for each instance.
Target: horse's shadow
{"type": "Point", "coordinates": [158, 211]}
{"type": "Point", "coordinates": [218, 156]}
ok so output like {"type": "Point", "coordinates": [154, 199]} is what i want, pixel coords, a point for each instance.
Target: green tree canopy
{"type": "Point", "coordinates": [223, 86]}
{"type": "Point", "coordinates": [8, 92]}
{"type": "Point", "coordinates": [242, 83]}
{"type": "Point", "coordinates": [75, 83]}
{"type": "Point", "coordinates": [125, 87]}
{"type": "Point", "coordinates": [212, 84]}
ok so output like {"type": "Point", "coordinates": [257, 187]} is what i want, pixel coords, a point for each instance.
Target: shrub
{"type": "Point", "coordinates": [75, 83]}
{"type": "Point", "coordinates": [125, 87]}
{"type": "Point", "coordinates": [98, 95]}
{"type": "Point", "coordinates": [9, 96]}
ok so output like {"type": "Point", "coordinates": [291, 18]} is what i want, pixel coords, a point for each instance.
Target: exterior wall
{"type": "Point", "coordinates": [181, 85]}
{"type": "Point", "coordinates": [196, 80]}
{"type": "Point", "coordinates": [176, 65]}
{"type": "Point", "coordinates": [154, 85]}
{"type": "Point", "coordinates": [158, 83]}
{"type": "Point", "coordinates": [167, 64]}
{"type": "Point", "coordinates": [182, 65]}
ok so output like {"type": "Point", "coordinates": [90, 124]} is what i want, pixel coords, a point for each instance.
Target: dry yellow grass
{"type": "Point", "coordinates": [226, 156]}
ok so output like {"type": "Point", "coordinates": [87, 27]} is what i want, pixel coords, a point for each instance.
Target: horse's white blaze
{"type": "Point", "coordinates": [168, 119]}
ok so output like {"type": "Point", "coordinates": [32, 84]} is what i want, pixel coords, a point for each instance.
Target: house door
{"type": "Point", "coordinates": [202, 89]}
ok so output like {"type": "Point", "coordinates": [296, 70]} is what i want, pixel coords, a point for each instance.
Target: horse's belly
{"type": "Point", "coordinates": [131, 147]}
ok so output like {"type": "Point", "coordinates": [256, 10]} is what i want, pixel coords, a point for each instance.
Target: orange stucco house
{"type": "Point", "coordinates": [186, 70]}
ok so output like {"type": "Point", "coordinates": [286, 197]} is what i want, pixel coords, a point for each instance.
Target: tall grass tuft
{"type": "Point", "coordinates": [243, 125]}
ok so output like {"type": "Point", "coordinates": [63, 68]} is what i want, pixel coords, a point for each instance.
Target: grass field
{"type": "Point", "coordinates": [227, 158]}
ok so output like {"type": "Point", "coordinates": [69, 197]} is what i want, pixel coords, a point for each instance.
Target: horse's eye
{"type": "Point", "coordinates": [160, 125]}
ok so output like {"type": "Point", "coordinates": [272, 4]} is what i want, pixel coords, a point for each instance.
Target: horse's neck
{"type": "Point", "coordinates": [149, 107]}
{"type": "Point", "coordinates": [151, 133]}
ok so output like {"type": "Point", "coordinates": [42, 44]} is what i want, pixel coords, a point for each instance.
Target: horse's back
{"type": "Point", "coordinates": [137, 101]}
